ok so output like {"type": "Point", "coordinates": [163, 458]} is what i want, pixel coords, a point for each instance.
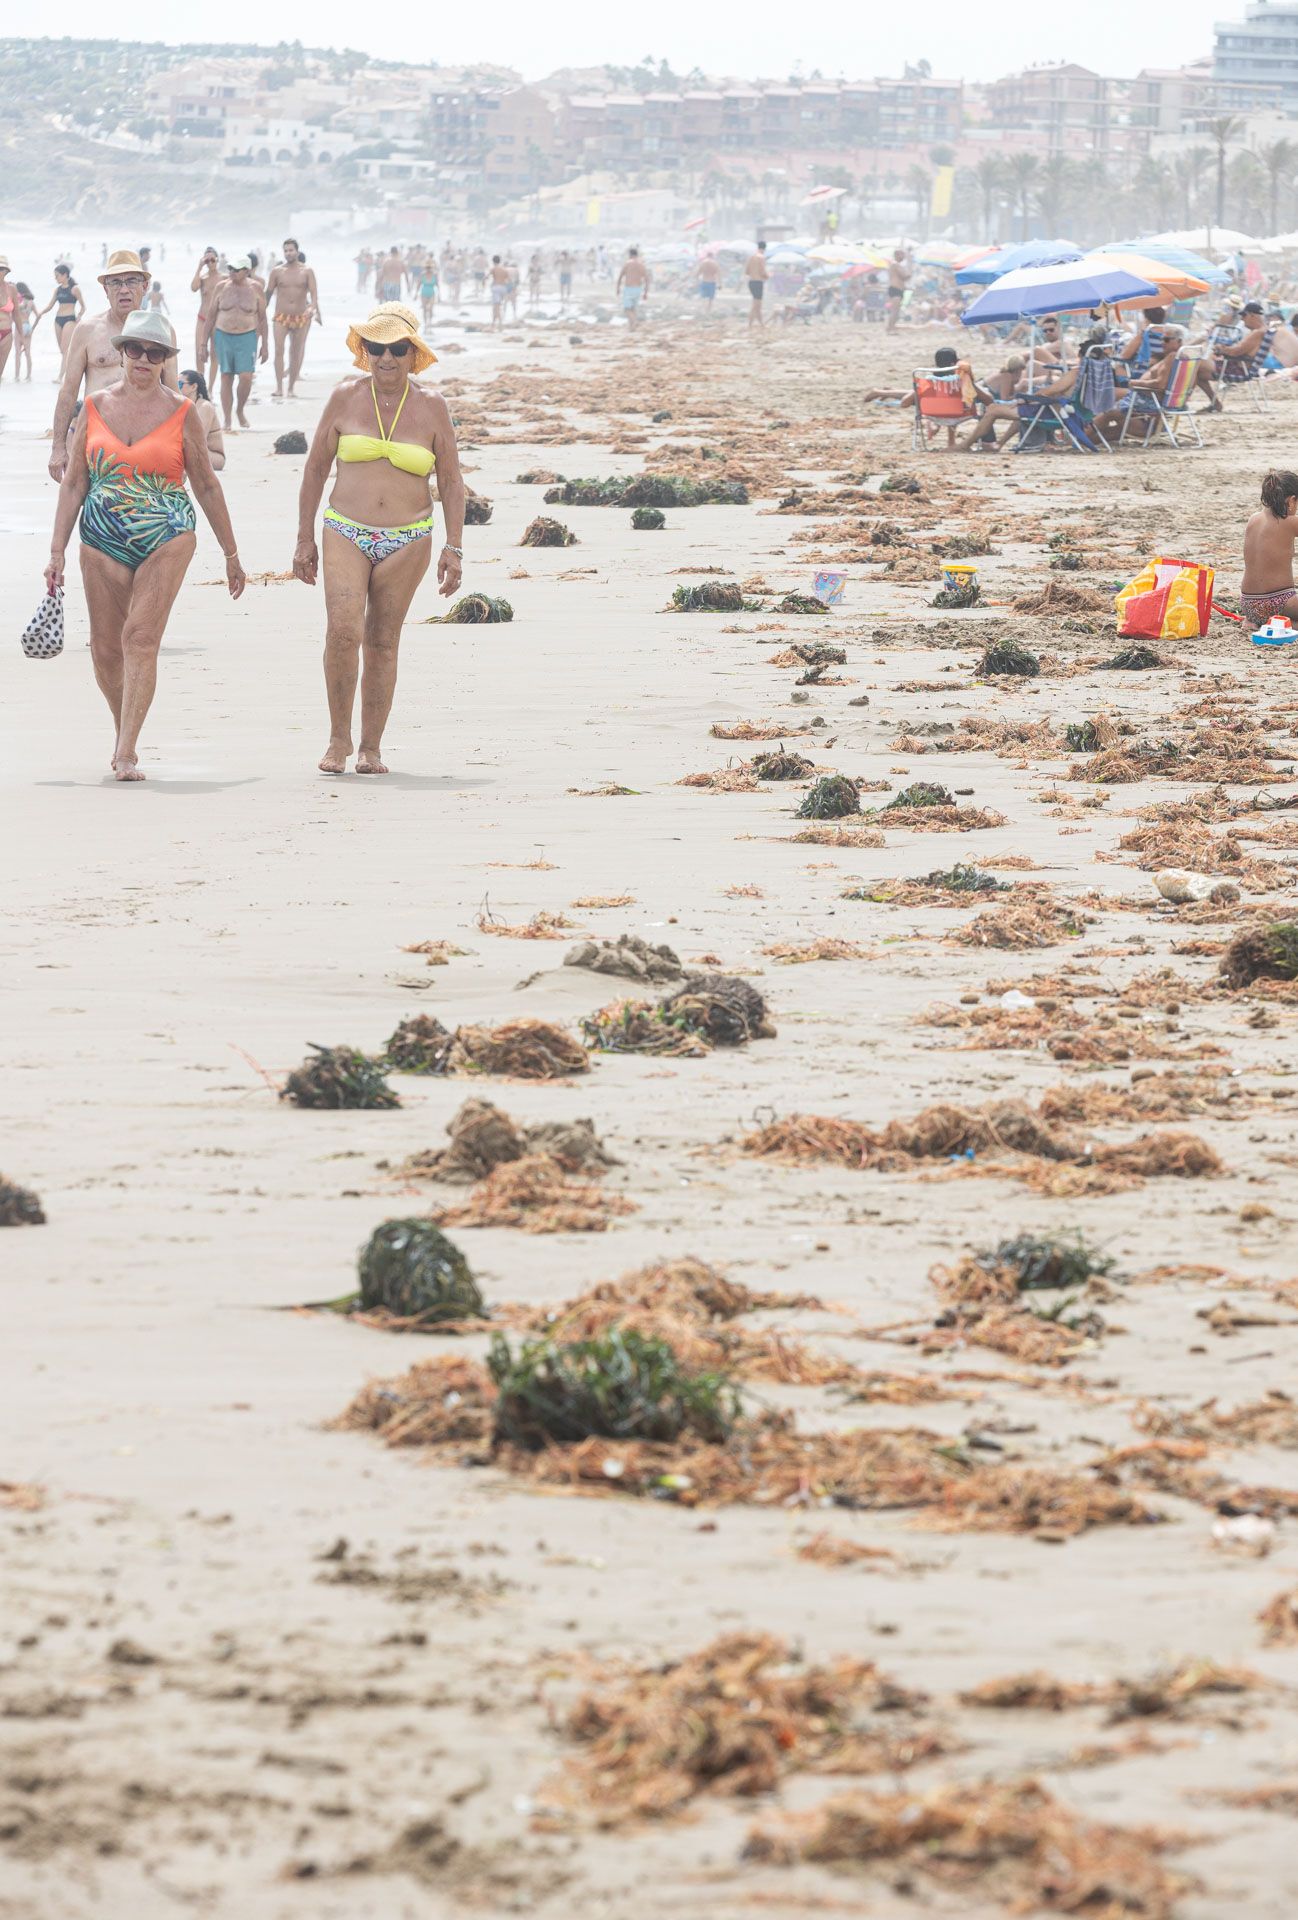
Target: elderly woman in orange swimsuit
{"type": "Point", "coordinates": [387, 436]}
{"type": "Point", "coordinates": [135, 445]}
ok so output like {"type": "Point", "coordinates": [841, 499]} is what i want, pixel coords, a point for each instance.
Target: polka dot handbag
{"type": "Point", "coordinates": [43, 639]}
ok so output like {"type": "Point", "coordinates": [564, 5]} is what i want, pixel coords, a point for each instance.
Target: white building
{"type": "Point", "coordinates": [256, 140]}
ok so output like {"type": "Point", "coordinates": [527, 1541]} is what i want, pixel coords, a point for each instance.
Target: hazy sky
{"type": "Point", "coordinates": [958, 38]}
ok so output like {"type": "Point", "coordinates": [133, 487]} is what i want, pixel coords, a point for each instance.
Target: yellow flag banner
{"type": "Point", "coordinates": [592, 213]}
{"type": "Point", "coordinates": [940, 205]}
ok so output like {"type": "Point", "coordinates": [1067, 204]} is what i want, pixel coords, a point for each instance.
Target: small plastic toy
{"type": "Point", "coordinates": [1278, 632]}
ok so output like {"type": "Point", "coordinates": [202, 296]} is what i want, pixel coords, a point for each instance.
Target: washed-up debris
{"type": "Point", "coordinates": [782, 766]}
{"type": "Point", "coordinates": [1012, 1843]}
{"type": "Point", "coordinates": [734, 1718]}
{"type": "Point", "coordinates": [960, 885]}
{"type": "Point", "coordinates": [796, 953]}
{"type": "Point", "coordinates": [19, 1206]}
{"type": "Point", "coordinates": [801, 603]}
{"type": "Point", "coordinates": [482, 1137]}
{"type": "Point", "coordinates": [1008, 658]}
{"type": "Point", "coordinates": [1058, 597]}
{"type": "Point", "coordinates": [542, 926]}
{"type": "Point", "coordinates": [817, 653]}
{"type": "Point", "coordinates": [409, 1269]}
{"type": "Point", "coordinates": [1261, 953]}
{"type": "Point", "coordinates": [474, 609]}
{"type": "Point", "coordinates": [294, 442]}
{"type": "Point", "coordinates": [537, 477]}
{"type": "Point", "coordinates": [629, 956]}
{"type": "Point", "coordinates": [740, 779]}
{"type": "Point", "coordinates": [537, 1194]}
{"type": "Point", "coordinates": [922, 793]}
{"type": "Point", "coordinates": [832, 797]}
{"type": "Point", "coordinates": [755, 730]}
{"type": "Point", "coordinates": [842, 833]}
{"type": "Point", "coordinates": [707, 1010]}
{"type": "Point", "coordinates": [438, 953]}
{"type": "Point", "coordinates": [648, 519]}
{"type": "Point", "coordinates": [477, 511]}
{"type": "Point", "coordinates": [709, 596]}
{"type": "Point", "coordinates": [1193, 1689]}
{"type": "Point", "coordinates": [618, 1386]}
{"type": "Point", "coordinates": [1279, 1620]}
{"type": "Point", "coordinates": [648, 490]}
{"type": "Point", "coordinates": [1269, 1422]}
{"type": "Point", "coordinates": [1134, 660]}
{"type": "Point", "coordinates": [967, 594]}
{"type": "Point", "coordinates": [519, 1049]}
{"type": "Point", "coordinates": [417, 1045]}
{"type": "Point", "coordinates": [338, 1077]}
{"type": "Point", "coordinates": [1032, 921]}
{"type": "Point", "coordinates": [547, 533]}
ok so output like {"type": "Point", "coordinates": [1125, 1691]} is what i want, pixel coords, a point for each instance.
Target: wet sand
{"type": "Point", "coordinates": [288, 1734]}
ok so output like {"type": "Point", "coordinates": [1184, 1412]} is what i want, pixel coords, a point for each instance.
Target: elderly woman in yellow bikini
{"type": "Point", "coordinates": [388, 437]}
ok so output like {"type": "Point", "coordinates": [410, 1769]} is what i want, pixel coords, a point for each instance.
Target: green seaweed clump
{"type": "Point", "coordinates": [543, 532]}
{"type": "Point", "coordinates": [648, 519]}
{"type": "Point", "coordinates": [475, 609]}
{"type": "Point", "coordinates": [781, 765]}
{"type": "Point", "coordinates": [965, 878]}
{"type": "Point", "coordinates": [417, 1045]}
{"type": "Point", "coordinates": [19, 1206]}
{"type": "Point", "coordinates": [1008, 657]}
{"type": "Point", "coordinates": [336, 1077]}
{"type": "Point", "coordinates": [709, 596]}
{"type": "Point", "coordinates": [648, 490]}
{"type": "Point", "coordinates": [801, 603]}
{"type": "Point", "coordinates": [1261, 953]}
{"type": "Point", "coordinates": [409, 1268]}
{"type": "Point", "coordinates": [1133, 660]}
{"type": "Point", "coordinates": [1080, 736]}
{"type": "Point", "coordinates": [954, 598]}
{"type": "Point", "coordinates": [833, 797]}
{"type": "Point", "coordinates": [621, 1385]}
{"type": "Point", "coordinates": [1067, 560]}
{"type": "Point", "coordinates": [899, 483]}
{"type": "Point", "coordinates": [922, 793]}
{"type": "Point", "coordinates": [1047, 1260]}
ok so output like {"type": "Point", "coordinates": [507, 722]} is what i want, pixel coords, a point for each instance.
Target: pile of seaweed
{"type": "Point", "coordinates": [648, 490]}
{"type": "Point", "coordinates": [477, 510]}
{"type": "Point", "coordinates": [474, 609]}
{"type": "Point", "coordinates": [19, 1206]}
{"type": "Point", "coordinates": [707, 1010]}
{"type": "Point", "coordinates": [629, 956]}
{"type": "Point", "coordinates": [337, 1077]}
{"type": "Point", "coordinates": [709, 596]}
{"type": "Point", "coordinates": [483, 1137]}
{"type": "Point", "coordinates": [1261, 953]}
{"type": "Point", "coordinates": [521, 1049]}
{"type": "Point", "coordinates": [984, 1304]}
{"type": "Point", "coordinates": [547, 533]}
{"type": "Point", "coordinates": [537, 1194]}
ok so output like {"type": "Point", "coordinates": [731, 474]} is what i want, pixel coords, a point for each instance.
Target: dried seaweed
{"type": "Point", "coordinates": [734, 1718]}
{"type": "Point", "coordinates": [1058, 597]}
{"type": "Point", "coordinates": [337, 1077]}
{"type": "Point", "coordinates": [474, 609]}
{"type": "Point", "coordinates": [535, 1193]}
{"type": "Point", "coordinates": [796, 953]}
{"type": "Point", "coordinates": [782, 766]}
{"type": "Point", "coordinates": [19, 1206]}
{"type": "Point", "coordinates": [483, 1137]}
{"type": "Point", "coordinates": [417, 1045]}
{"type": "Point", "coordinates": [1009, 1842]}
{"type": "Point", "coordinates": [1031, 921]}
{"type": "Point", "coordinates": [755, 730]}
{"type": "Point", "coordinates": [648, 490]}
{"type": "Point", "coordinates": [543, 532]}
{"type": "Point", "coordinates": [706, 1010]}
{"type": "Point", "coordinates": [522, 1049]}
{"type": "Point", "coordinates": [1261, 953]}
{"type": "Point", "coordinates": [1279, 1620]}
{"type": "Point", "coordinates": [628, 956]}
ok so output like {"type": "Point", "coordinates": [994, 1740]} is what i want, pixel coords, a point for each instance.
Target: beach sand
{"type": "Point", "coordinates": [209, 1704]}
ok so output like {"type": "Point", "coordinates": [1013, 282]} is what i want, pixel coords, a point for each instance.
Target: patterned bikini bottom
{"type": "Point", "coordinates": [1265, 606]}
{"type": "Point", "coordinates": [378, 543]}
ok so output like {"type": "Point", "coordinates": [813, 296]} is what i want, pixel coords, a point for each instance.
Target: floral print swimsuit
{"type": "Point", "coordinates": [136, 500]}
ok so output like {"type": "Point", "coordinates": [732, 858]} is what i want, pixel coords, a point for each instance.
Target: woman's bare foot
{"type": "Point", "coordinates": [336, 756]}
{"type": "Point", "coordinates": [368, 760]}
{"type": "Point", "coordinates": [125, 767]}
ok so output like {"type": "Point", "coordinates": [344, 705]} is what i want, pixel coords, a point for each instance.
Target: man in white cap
{"type": "Point", "coordinates": [238, 332]}
{"type": "Point", "coordinates": [92, 359]}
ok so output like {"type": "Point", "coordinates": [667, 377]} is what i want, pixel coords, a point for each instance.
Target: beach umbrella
{"type": "Point", "coordinates": [1067, 287]}
{"type": "Point", "coordinates": [818, 194]}
{"type": "Point", "coordinates": [1170, 256]}
{"type": "Point", "coordinates": [941, 253]}
{"type": "Point", "coordinates": [847, 253]}
{"type": "Point", "coordinates": [1032, 253]}
{"type": "Point", "coordinates": [690, 225]}
{"type": "Point", "coordinates": [967, 255]}
{"type": "Point", "coordinates": [1172, 284]}
{"type": "Point", "coordinates": [783, 254]}
{"type": "Point", "coordinates": [1221, 239]}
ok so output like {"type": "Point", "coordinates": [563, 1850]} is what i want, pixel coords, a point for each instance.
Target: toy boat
{"type": "Point", "coordinates": [1278, 632]}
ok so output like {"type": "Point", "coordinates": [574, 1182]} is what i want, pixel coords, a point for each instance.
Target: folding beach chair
{"type": "Point", "coordinates": [1251, 373]}
{"type": "Point", "coordinates": [939, 400]}
{"type": "Point", "coordinates": [1169, 411]}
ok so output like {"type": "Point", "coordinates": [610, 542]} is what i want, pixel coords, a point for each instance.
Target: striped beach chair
{"type": "Point", "coordinates": [1169, 411]}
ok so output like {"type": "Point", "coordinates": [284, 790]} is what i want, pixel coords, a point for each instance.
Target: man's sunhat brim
{"type": "Point", "coordinates": [122, 263]}
{"type": "Point", "coordinates": [387, 324]}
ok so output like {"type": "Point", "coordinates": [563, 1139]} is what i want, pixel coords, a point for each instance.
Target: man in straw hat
{"type": "Point", "coordinates": [389, 437]}
{"type": "Point", "coordinates": [92, 359]}
{"type": "Point", "coordinates": [239, 334]}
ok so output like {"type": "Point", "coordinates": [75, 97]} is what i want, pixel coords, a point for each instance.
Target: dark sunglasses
{"type": "Point", "coordinates": [398, 349]}
{"type": "Point", "coordinates": [154, 355]}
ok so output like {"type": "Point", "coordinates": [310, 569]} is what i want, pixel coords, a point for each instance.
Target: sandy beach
{"type": "Point", "coordinates": [255, 1664]}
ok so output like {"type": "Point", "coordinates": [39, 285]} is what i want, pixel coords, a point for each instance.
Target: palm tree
{"type": "Point", "coordinates": [1224, 129]}
{"type": "Point", "coordinates": [1023, 169]}
{"type": "Point", "coordinates": [1152, 187]}
{"type": "Point", "coordinates": [1055, 183]}
{"type": "Point", "coordinates": [919, 184]}
{"type": "Point", "coordinates": [1187, 170]}
{"type": "Point", "coordinates": [1278, 158]}
{"type": "Point", "coordinates": [1247, 182]}
{"type": "Point", "coordinates": [991, 180]}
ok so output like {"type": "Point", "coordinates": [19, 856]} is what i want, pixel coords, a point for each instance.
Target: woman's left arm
{"type": "Point", "coordinates": [72, 491]}
{"type": "Point", "coordinates": [450, 491]}
{"type": "Point", "coordinates": [207, 492]}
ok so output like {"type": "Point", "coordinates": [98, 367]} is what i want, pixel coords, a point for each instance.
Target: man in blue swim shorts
{"type": "Point", "coordinates": [633, 285]}
{"type": "Point", "coordinates": [238, 331]}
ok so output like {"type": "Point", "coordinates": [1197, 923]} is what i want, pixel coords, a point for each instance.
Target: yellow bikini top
{"type": "Point", "coordinates": [404, 454]}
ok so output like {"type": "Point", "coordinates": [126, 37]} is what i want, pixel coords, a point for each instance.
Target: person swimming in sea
{"type": "Point", "coordinates": [1268, 587]}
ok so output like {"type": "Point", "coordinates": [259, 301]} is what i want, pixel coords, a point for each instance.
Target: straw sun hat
{"type": "Point", "coordinates": [124, 262]}
{"type": "Point", "coordinates": [386, 324]}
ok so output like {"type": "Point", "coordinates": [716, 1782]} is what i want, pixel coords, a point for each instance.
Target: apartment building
{"type": "Point", "coordinates": [1261, 50]}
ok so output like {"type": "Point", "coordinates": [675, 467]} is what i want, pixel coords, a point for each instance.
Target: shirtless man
{"type": "Point", "coordinates": [204, 284]}
{"type": "Point", "coordinates": [387, 276]}
{"type": "Point", "coordinates": [91, 356]}
{"type": "Point", "coordinates": [633, 285]}
{"type": "Point", "coordinates": [292, 288]}
{"type": "Point", "coordinates": [500, 276]}
{"type": "Point", "coordinates": [757, 273]}
{"type": "Point", "coordinates": [899, 271]}
{"type": "Point", "coordinates": [238, 333]}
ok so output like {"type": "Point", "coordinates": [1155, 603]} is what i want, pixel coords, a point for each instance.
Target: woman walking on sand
{"type": "Point", "coordinates": [387, 436]}
{"type": "Point", "coordinates": [135, 445]}
{"type": "Point", "coordinates": [67, 298]}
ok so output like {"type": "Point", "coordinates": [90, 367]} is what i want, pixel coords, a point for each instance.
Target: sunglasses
{"type": "Point", "coordinates": [154, 355]}
{"type": "Point", "coordinates": [397, 348]}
